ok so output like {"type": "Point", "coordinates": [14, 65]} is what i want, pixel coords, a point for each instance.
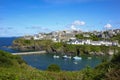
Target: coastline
{"type": "Point", "coordinates": [26, 53]}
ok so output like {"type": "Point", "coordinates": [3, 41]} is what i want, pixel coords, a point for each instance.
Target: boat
{"type": "Point", "coordinates": [89, 57]}
{"type": "Point", "coordinates": [77, 58]}
{"type": "Point", "coordinates": [66, 57]}
{"type": "Point", "coordinates": [55, 56]}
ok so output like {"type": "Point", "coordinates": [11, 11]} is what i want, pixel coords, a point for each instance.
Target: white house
{"type": "Point", "coordinates": [38, 37]}
{"type": "Point", "coordinates": [97, 43]}
{"type": "Point", "coordinates": [80, 42]}
{"type": "Point", "coordinates": [89, 42]}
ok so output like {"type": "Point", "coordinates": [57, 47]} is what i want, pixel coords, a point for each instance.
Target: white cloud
{"type": "Point", "coordinates": [108, 26]}
{"type": "Point", "coordinates": [73, 27]}
{"type": "Point", "coordinates": [76, 23]}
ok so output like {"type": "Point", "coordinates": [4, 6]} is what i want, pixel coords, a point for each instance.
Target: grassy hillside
{"type": "Point", "coordinates": [14, 68]}
{"type": "Point", "coordinates": [60, 47]}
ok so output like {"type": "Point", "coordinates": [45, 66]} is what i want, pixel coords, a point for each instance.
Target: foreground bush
{"type": "Point", "coordinates": [53, 67]}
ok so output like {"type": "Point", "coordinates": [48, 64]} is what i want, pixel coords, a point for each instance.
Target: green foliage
{"type": "Point", "coordinates": [109, 70]}
{"type": "Point", "coordinates": [116, 58]}
{"type": "Point", "coordinates": [53, 67]}
{"type": "Point", "coordinates": [88, 73]}
{"type": "Point", "coordinates": [94, 38]}
{"type": "Point", "coordinates": [27, 45]}
{"type": "Point", "coordinates": [17, 70]}
{"type": "Point", "coordinates": [21, 41]}
{"type": "Point", "coordinates": [57, 45]}
{"type": "Point", "coordinates": [69, 48]}
{"type": "Point", "coordinates": [95, 49]}
{"type": "Point", "coordinates": [27, 41]}
{"type": "Point", "coordinates": [79, 36]}
{"type": "Point", "coordinates": [116, 37]}
{"type": "Point", "coordinates": [114, 74]}
{"type": "Point", "coordinates": [6, 59]}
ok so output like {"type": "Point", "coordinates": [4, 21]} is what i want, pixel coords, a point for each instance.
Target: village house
{"type": "Point", "coordinates": [39, 36]}
{"type": "Point", "coordinates": [69, 37]}
{"type": "Point", "coordinates": [89, 42]}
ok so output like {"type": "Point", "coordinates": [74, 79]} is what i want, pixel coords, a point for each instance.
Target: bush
{"type": "Point", "coordinates": [116, 58]}
{"type": "Point", "coordinates": [7, 59]}
{"type": "Point", "coordinates": [53, 67]}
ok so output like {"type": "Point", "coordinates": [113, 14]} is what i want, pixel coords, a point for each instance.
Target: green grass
{"type": "Point", "coordinates": [17, 69]}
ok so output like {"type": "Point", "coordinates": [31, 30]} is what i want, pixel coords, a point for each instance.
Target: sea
{"type": "Point", "coordinates": [42, 61]}
{"type": "Point", "coordinates": [5, 42]}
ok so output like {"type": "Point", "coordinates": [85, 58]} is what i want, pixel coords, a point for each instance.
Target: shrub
{"type": "Point", "coordinates": [116, 58]}
{"type": "Point", "coordinates": [53, 67]}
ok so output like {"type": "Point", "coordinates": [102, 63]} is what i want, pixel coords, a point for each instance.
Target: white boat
{"type": "Point", "coordinates": [66, 57]}
{"type": "Point", "coordinates": [89, 57]}
{"type": "Point", "coordinates": [55, 56]}
{"type": "Point", "coordinates": [77, 58]}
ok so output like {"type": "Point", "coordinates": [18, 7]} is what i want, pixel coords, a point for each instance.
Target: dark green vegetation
{"type": "Point", "coordinates": [7, 60]}
{"type": "Point", "coordinates": [27, 45]}
{"type": "Point", "coordinates": [53, 67]}
{"type": "Point", "coordinates": [14, 68]}
{"type": "Point", "coordinates": [61, 47]}
{"type": "Point", "coordinates": [97, 38]}
{"type": "Point", "coordinates": [116, 37]}
{"type": "Point", "coordinates": [91, 36]}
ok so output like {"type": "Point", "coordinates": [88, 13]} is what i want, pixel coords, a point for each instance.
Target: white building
{"type": "Point", "coordinates": [97, 43]}
{"type": "Point", "coordinates": [89, 42]}
{"type": "Point", "coordinates": [39, 36]}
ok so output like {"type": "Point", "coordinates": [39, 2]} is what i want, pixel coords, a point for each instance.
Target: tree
{"type": "Point", "coordinates": [54, 68]}
{"type": "Point", "coordinates": [79, 36]}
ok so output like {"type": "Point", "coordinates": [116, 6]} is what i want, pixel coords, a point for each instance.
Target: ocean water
{"type": "Point", "coordinates": [5, 42]}
{"type": "Point", "coordinates": [42, 61]}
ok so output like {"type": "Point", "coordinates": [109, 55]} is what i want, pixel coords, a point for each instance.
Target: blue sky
{"type": "Point", "coordinates": [20, 17]}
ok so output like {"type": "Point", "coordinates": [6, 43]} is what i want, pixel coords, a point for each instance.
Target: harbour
{"type": "Point", "coordinates": [41, 60]}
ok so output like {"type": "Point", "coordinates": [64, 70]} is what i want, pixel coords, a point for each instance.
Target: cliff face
{"type": "Point", "coordinates": [30, 45]}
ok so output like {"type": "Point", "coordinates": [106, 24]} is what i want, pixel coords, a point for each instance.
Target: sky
{"type": "Point", "coordinates": [29, 17]}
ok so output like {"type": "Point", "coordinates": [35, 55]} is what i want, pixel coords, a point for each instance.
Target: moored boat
{"type": "Point", "coordinates": [89, 57]}
{"type": "Point", "coordinates": [77, 58]}
{"type": "Point", "coordinates": [66, 57]}
{"type": "Point", "coordinates": [55, 56]}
